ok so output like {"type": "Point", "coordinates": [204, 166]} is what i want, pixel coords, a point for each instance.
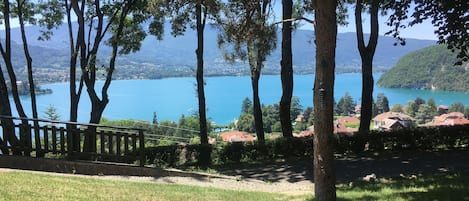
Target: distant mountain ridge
{"type": "Point", "coordinates": [173, 57]}
{"type": "Point", "coordinates": [428, 68]}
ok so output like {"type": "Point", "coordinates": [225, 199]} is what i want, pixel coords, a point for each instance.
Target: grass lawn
{"type": "Point", "coordinates": [24, 186]}
{"type": "Point", "coordinates": [32, 186]}
{"type": "Point", "coordinates": [440, 187]}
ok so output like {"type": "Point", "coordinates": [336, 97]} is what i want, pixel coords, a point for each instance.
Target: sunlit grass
{"type": "Point", "coordinates": [33, 186]}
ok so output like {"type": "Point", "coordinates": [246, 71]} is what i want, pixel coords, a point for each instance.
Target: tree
{"type": "Point", "coordinates": [27, 12]}
{"type": "Point", "coordinates": [448, 17]}
{"type": "Point", "coordinates": [51, 113]}
{"type": "Point", "coordinates": [246, 26]}
{"type": "Point", "coordinates": [182, 13]}
{"type": "Point", "coordinates": [456, 107]}
{"type": "Point", "coordinates": [295, 108]}
{"type": "Point", "coordinates": [95, 21]}
{"type": "Point", "coordinates": [382, 103]}
{"type": "Point", "coordinates": [466, 112]}
{"type": "Point", "coordinates": [425, 114]}
{"type": "Point", "coordinates": [345, 106]}
{"type": "Point", "coordinates": [286, 70]}
{"type": "Point", "coordinates": [270, 116]}
{"type": "Point", "coordinates": [367, 53]}
{"type": "Point", "coordinates": [5, 107]}
{"type": "Point", "coordinates": [308, 116]}
{"type": "Point", "coordinates": [246, 106]}
{"type": "Point", "coordinates": [431, 102]}
{"type": "Point", "coordinates": [412, 108]}
{"type": "Point", "coordinates": [325, 30]}
{"type": "Point", "coordinates": [246, 123]}
{"type": "Point", "coordinates": [397, 108]}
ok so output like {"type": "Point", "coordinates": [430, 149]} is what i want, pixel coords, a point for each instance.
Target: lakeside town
{"type": "Point", "coordinates": [387, 121]}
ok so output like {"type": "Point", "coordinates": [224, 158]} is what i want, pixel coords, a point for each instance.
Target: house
{"type": "Point", "coordinates": [442, 109]}
{"type": "Point", "coordinates": [345, 125]}
{"type": "Point", "coordinates": [450, 119]}
{"type": "Point", "coordinates": [237, 136]}
{"type": "Point", "coordinates": [392, 120]}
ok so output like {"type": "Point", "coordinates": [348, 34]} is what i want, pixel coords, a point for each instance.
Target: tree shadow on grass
{"type": "Point", "coordinates": [436, 187]}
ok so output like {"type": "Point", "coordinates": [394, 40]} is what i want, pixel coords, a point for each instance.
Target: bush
{"type": "Point", "coordinates": [421, 138]}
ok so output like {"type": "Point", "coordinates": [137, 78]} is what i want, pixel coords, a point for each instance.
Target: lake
{"type": "Point", "coordinates": [172, 97]}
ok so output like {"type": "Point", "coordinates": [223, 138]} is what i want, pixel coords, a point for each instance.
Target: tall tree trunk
{"type": "Point", "coordinates": [5, 110]}
{"type": "Point", "coordinates": [29, 60]}
{"type": "Point", "coordinates": [258, 122]}
{"type": "Point", "coordinates": [75, 93]}
{"type": "Point", "coordinates": [6, 53]}
{"type": "Point", "coordinates": [286, 70]}
{"type": "Point", "coordinates": [204, 158]}
{"type": "Point", "coordinates": [75, 47]}
{"type": "Point", "coordinates": [32, 88]}
{"type": "Point", "coordinates": [325, 37]}
{"type": "Point", "coordinates": [366, 53]}
{"type": "Point", "coordinates": [200, 75]}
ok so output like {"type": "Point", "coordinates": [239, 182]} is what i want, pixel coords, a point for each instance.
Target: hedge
{"type": "Point", "coordinates": [420, 138]}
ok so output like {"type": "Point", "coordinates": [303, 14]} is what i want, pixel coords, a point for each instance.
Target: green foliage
{"type": "Point", "coordinates": [295, 108]}
{"type": "Point", "coordinates": [412, 108]}
{"type": "Point", "coordinates": [346, 105]}
{"type": "Point", "coordinates": [456, 107]}
{"type": "Point", "coordinates": [397, 108]}
{"type": "Point", "coordinates": [419, 138]}
{"type": "Point", "coordinates": [246, 106]}
{"type": "Point", "coordinates": [425, 114]}
{"type": "Point", "coordinates": [51, 113]}
{"type": "Point", "coordinates": [246, 123]}
{"type": "Point", "coordinates": [382, 103]}
{"type": "Point", "coordinates": [429, 68]}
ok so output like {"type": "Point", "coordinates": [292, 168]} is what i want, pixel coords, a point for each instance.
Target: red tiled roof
{"type": "Point", "coordinates": [237, 136]}
{"type": "Point", "coordinates": [392, 115]}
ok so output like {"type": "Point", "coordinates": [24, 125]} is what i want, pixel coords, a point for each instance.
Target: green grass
{"type": "Point", "coordinates": [32, 186]}
{"type": "Point", "coordinates": [440, 187]}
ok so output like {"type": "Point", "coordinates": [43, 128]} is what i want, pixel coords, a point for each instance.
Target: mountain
{"type": "Point", "coordinates": [176, 56]}
{"type": "Point", "coordinates": [428, 68]}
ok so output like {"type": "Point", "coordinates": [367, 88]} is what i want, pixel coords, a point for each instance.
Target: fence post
{"type": "Point", "coordinates": [141, 148]}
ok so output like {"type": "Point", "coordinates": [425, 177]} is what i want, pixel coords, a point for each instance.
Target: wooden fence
{"type": "Point", "coordinates": [39, 137]}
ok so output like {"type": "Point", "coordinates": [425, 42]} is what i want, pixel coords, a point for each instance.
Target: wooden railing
{"type": "Point", "coordinates": [39, 137]}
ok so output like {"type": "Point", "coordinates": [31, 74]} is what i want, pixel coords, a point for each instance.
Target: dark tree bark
{"type": "Point", "coordinates": [286, 70]}
{"type": "Point", "coordinates": [366, 53]}
{"type": "Point", "coordinates": [200, 74]}
{"type": "Point", "coordinates": [5, 110]}
{"type": "Point", "coordinates": [6, 54]}
{"type": "Point", "coordinates": [32, 89]}
{"type": "Point", "coordinates": [325, 38]}
{"type": "Point", "coordinates": [258, 121]}
{"type": "Point", "coordinates": [75, 93]}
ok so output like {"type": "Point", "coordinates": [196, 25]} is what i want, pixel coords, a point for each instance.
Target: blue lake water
{"type": "Point", "coordinates": [171, 97]}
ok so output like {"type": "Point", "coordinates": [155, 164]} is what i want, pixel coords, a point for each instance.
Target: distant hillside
{"type": "Point", "coordinates": [429, 68]}
{"type": "Point", "coordinates": [174, 57]}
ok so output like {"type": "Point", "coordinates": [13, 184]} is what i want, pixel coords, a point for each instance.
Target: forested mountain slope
{"type": "Point", "coordinates": [428, 68]}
